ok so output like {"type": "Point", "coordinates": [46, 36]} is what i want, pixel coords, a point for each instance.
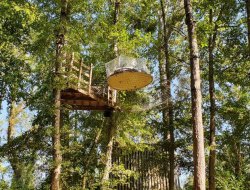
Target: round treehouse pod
{"type": "Point", "coordinates": [127, 73]}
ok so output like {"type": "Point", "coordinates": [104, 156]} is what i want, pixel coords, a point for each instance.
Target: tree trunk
{"type": "Point", "coordinates": [112, 125]}
{"type": "Point", "coordinates": [57, 156]}
{"type": "Point", "coordinates": [238, 158]}
{"type": "Point", "coordinates": [169, 114]}
{"type": "Point", "coordinates": [248, 23]}
{"type": "Point", "coordinates": [109, 151]}
{"type": "Point", "coordinates": [11, 121]}
{"type": "Point", "coordinates": [198, 134]}
{"type": "Point", "coordinates": [14, 110]}
{"type": "Point", "coordinates": [89, 158]}
{"type": "Point", "coordinates": [212, 143]}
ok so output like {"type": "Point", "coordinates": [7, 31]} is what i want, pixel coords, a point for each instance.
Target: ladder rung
{"type": "Point", "coordinates": [75, 68]}
{"type": "Point", "coordinates": [84, 81]}
{"type": "Point", "coordinates": [86, 74]}
{"type": "Point", "coordinates": [86, 67]}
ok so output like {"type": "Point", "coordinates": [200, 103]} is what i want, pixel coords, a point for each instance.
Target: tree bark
{"type": "Point", "coordinates": [212, 139]}
{"type": "Point", "coordinates": [108, 154]}
{"type": "Point", "coordinates": [89, 158]}
{"type": "Point", "coordinates": [11, 121]}
{"type": "Point", "coordinates": [14, 110]}
{"type": "Point", "coordinates": [112, 125]}
{"type": "Point", "coordinates": [248, 23]}
{"type": "Point", "coordinates": [212, 142]}
{"type": "Point", "coordinates": [238, 158]}
{"type": "Point", "coordinates": [60, 41]}
{"type": "Point", "coordinates": [169, 114]}
{"type": "Point", "coordinates": [198, 133]}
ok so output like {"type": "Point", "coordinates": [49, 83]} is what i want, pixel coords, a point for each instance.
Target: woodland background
{"type": "Point", "coordinates": [153, 29]}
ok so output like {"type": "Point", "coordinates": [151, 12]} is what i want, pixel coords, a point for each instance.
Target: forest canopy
{"type": "Point", "coordinates": [62, 125]}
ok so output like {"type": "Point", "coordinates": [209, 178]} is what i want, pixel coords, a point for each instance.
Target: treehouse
{"type": "Point", "coordinates": [79, 93]}
{"type": "Point", "coordinates": [123, 73]}
{"type": "Point", "coordinates": [127, 73]}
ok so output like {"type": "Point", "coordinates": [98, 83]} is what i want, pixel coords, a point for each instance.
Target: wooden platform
{"type": "Point", "coordinates": [79, 100]}
{"type": "Point", "coordinates": [79, 93]}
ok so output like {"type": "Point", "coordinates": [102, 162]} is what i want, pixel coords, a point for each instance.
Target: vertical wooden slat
{"type": "Point", "coordinates": [130, 167]}
{"type": "Point", "coordinates": [142, 168]}
{"type": "Point", "coordinates": [163, 182]}
{"type": "Point", "coordinates": [71, 62]}
{"type": "Point", "coordinates": [158, 177]}
{"type": "Point", "coordinates": [80, 74]}
{"type": "Point", "coordinates": [152, 170]}
{"type": "Point", "coordinates": [127, 167]}
{"type": "Point", "coordinates": [90, 78]}
{"type": "Point", "coordinates": [118, 163]}
{"type": "Point", "coordinates": [114, 97]}
{"type": "Point", "coordinates": [124, 163]}
{"type": "Point", "coordinates": [108, 95]}
{"type": "Point", "coordinates": [147, 174]}
{"type": "Point", "coordinates": [138, 169]}
{"type": "Point", "coordinates": [133, 167]}
{"type": "Point", "coordinates": [146, 169]}
{"type": "Point", "coordinates": [166, 176]}
{"type": "Point", "coordinates": [138, 160]}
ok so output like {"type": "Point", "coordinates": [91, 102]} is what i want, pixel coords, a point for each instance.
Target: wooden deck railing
{"type": "Point", "coordinates": [79, 77]}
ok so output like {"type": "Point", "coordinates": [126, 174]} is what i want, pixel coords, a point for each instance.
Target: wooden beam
{"type": "Point", "coordinates": [80, 73]}
{"type": "Point", "coordinates": [97, 108]}
{"type": "Point", "coordinates": [86, 67]}
{"type": "Point", "coordinates": [90, 78]}
{"type": "Point", "coordinates": [82, 102]}
{"type": "Point", "coordinates": [86, 74]}
{"type": "Point", "coordinates": [75, 68]}
{"type": "Point", "coordinates": [71, 62]}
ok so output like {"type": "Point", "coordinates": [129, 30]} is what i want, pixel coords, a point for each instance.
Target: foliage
{"type": "Point", "coordinates": [27, 56]}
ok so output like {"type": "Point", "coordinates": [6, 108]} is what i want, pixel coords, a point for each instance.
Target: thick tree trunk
{"type": "Point", "coordinates": [57, 155]}
{"type": "Point", "coordinates": [163, 86]}
{"type": "Point", "coordinates": [248, 23]}
{"type": "Point", "coordinates": [14, 111]}
{"type": "Point", "coordinates": [238, 158]}
{"type": "Point", "coordinates": [108, 154]}
{"type": "Point", "coordinates": [11, 121]}
{"type": "Point", "coordinates": [198, 134]}
{"type": "Point", "coordinates": [170, 123]}
{"type": "Point", "coordinates": [212, 143]}
{"type": "Point", "coordinates": [112, 125]}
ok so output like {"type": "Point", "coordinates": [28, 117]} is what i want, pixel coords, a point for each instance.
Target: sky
{"type": "Point", "coordinates": [3, 122]}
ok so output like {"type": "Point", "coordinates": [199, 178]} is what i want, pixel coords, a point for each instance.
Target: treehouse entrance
{"type": "Point", "coordinates": [126, 73]}
{"type": "Point", "coordinates": [79, 94]}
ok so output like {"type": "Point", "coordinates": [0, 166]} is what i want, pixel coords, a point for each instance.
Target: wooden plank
{"type": "Point", "coordinates": [85, 95]}
{"type": "Point", "coordinates": [80, 73]}
{"type": "Point", "coordinates": [84, 81]}
{"type": "Point", "coordinates": [74, 96]}
{"type": "Point", "coordinates": [75, 68]}
{"type": "Point", "coordinates": [86, 67]}
{"type": "Point", "coordinates": [83, 91]}
{"type": "Point", "coordinates": [74, 76]}
{"type": "Point", "coordinates": [90, 78]}
{"type": "Point", "coordinates": [86, 74]}
{"type": "Point", "coordinates": [82, 102]}
{"type": "Point", "coordinates": [71, 61]}
{"type": "Point", "coordinates": [138, 169]}
{"type": "Point", "coordinates": [99, 108]}
{"type": "Point", "coordinates": [64, 76]}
